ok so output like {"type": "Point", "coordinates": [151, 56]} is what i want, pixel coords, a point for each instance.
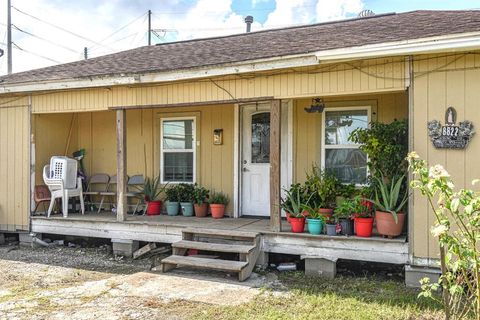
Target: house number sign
{"type": "Point", "coordinates": [450, 136]}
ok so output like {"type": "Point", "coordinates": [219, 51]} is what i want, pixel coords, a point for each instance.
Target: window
{"type": "Point", "coordinates": [341, 157]}
{"type": "Point", "coordinates": [177, 150]}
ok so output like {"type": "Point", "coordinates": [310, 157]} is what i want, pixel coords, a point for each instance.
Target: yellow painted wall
{"type": "Point", "coordinates": [95, 131]}
{"type": "Point", "coordinates": [308, 126]}
{"type": "Point", "coordinates": [366, 76]}
{"type": "Point", "coordinates": [14, 168]}
{"type": "Point", "coordinates": [439, 82]}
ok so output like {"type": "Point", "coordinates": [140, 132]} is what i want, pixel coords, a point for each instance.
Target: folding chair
{"type": "Point", "coordinates": [134, 190]}
{"type": "Point", "coordinates": [97, 184]}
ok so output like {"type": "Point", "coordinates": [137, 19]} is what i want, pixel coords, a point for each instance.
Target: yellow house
{"type": "Point", "coordinates": [248, 92]}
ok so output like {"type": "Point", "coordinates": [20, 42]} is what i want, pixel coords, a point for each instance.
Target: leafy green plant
{"type": "Point", "coordinates": [321, 187]}
{"type": "Point", "coordinates": [363, 207]}
{"type": "Point", "coordinates": [457, 228]}
{"type": "Point", "coordinates": [294, 201]}
{"type": "Point", "coordinates": [185, 192]}
{"type": "Point", "coordinates": [152, 189]}
{"type": "Point", "coordinates": [200, 194]}
{"type": "Point", "coordinates": [219, 198]}
{"type": "Point", "coordinates": [345, 209]}
{"type": "Point", "coordinates": [313, 213]}
{"type": "Point", "coordinates": [172, 193]}
{"type": "Point", "coordinates": [386, 146]}
{"type": "Point", "coordinates": [388, 197]}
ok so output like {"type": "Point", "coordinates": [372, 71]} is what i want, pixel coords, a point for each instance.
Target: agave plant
{"type": "Point", "coordinates": [152, 189]}
{"type": "Point", "coordinates": [388, 196]}
{"type": "Point", "coordinates": [294, 201]}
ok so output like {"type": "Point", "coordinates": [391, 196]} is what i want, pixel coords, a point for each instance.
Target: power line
{"type": "Point", "coordinates": [34, 53]}
{"type": "Point", "coordinates": [62, 29]}
{"type": "Point", "coordinates": [120, 29]}
{"type": "Point", "coordinates": [43, 39]}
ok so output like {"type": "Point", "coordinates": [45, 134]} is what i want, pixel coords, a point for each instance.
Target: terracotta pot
{"type": "Point", "coordinates": [326, 212]}
{"type": "Point", "coordinates": [154, 208]}
{"type": "Point", "coordinates": [386, 225]}
{"type": "Point", "coordinates": [201, 210]}
{"type": "Point", "coordinates": [297, 224]}
{"type": "Point", "coordinates": [364, 227]}
{"type": "Point", "coordinates": [217, 210]}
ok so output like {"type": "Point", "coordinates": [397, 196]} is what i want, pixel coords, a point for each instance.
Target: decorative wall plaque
{"type": "Point", "coordinates": [450, 136]}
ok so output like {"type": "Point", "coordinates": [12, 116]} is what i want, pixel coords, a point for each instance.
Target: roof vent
{"type": "Point", "coordinates": [248, 21]}
{"type": "Point", "coordinates": [366, 13]}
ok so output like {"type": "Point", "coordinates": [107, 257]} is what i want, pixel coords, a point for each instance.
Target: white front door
{"type": "Point", "coordinates": [255, 161]}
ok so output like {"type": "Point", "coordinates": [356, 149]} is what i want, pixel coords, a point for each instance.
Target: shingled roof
{"type": "Point", "coordinates": [260, 45]}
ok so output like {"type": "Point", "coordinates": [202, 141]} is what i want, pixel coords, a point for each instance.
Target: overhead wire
{"type": "Point", "coordinates": [120, 29]}
{"type": "Point", "coordinates": [34, 53]}
{"type": "Point", "coordinates": [61, 28]}
{"type": "Point", "coordinates": [44, 39]}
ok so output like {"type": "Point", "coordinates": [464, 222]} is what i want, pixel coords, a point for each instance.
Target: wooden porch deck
{"type": "Point", "coordinates": [168, 229]}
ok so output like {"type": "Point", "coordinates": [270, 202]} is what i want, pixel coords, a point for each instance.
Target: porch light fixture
{"type": "Point", "coordinates": [317, 106]}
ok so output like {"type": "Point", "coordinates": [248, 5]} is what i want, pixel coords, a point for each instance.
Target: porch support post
{"type": "Point", "coordinates": [275, 134]}
{"type": "Point", "coordinates": [121, 165]}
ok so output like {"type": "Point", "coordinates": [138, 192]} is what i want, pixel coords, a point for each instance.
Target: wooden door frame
{"type": "Point", "coordinates": [286, 175]}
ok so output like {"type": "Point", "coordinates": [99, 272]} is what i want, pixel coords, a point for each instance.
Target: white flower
{"type": "Point", "coordinates": [413, 155]}
{"type": "Point", "coordinates": [439, 230]}
{"type": "Point", "coordinates": [437, 171]}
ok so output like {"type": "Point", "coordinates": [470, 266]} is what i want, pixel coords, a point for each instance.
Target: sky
{"type": "Point", "coordinates": [49, 32]}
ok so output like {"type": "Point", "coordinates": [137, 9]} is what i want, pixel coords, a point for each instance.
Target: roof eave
{"type": "Point", "coordinates": [456, 42]}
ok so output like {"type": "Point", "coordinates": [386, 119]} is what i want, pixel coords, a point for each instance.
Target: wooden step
{"type": "Point", "coordinates": [221, 233]}
{"type": "Point", "coordinates": [217, 247]}
{"type": "Point", "coordinates": [215, 264]}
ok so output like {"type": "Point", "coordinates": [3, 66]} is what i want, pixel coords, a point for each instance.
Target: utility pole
{"type": "Point", "coordinates": [9, 37]}
{"type": "Point", "coordinates": [85, 53]}
{"type": "Point", "coordinates": [149, 27]}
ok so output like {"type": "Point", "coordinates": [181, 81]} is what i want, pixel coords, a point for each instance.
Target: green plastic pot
{"type": "Point", "coordinates": [172, 208]}
{"type": "Point", "coordinates": [187, 209]}
{"type": "Point", "coordinates": [315, 226]}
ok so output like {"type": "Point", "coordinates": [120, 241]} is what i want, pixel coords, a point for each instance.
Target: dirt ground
{"type": "Point", "coordinates": [59, 282]}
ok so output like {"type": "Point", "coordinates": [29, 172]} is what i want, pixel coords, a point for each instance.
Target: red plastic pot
{"type": "Point", "coordinates": [217, 210]}
{"type": "Point", "coordinates": [201, 210]}
{"type": "Point", "coordinates": [364, 227]}
{"type": "Point", "coordinates": [154, 208]}
{"type": "Point", "coordinates": [297, 224]}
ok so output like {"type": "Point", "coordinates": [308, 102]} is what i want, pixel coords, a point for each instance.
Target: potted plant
{"type": "Point", "coordinates": [331, 227]}
{"type": "Point", "coordinates": [185, 196]}
{"type": "Point", "coordinates": [315, 220]}
{"type": "Point", "coordinates": [343, 213]}
{"type": "Point", "coordinates": [152, 191]}
{"type": "Point", "coordinates": [389, 203]}
{"type": "Point", "coordinates": [323, 188]}
{"type": "Point", "coordinates": [218, 202]}
{"type": "Point", "coordinates": [363, 217]}
{"type": "Point", "coordinates": [172, 204]}
{"type": "Point", "coordinates": [292, 204]}
{"type": "Point", "coordinates": [200, 198]}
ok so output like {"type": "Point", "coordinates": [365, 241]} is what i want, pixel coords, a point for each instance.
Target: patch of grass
{"type": "Point", "coordinates": [341, 298]}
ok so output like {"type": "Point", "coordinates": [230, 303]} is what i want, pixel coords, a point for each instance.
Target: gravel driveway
{"type": "Point", "coordinates": [89, 283]}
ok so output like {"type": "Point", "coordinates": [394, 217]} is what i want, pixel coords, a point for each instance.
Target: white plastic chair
{"type": "Point", "coordinates": [61, 178]}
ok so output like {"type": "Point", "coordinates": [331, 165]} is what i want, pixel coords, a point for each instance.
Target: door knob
{"type": "Point", "coordinates": [245, 169]}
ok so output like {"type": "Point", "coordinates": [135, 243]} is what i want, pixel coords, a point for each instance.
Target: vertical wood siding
{"type": "Point", "coordinates": [14, 168]}
{"type": "Point", "coordinates": [365, 76]}
{"type": "Point", "coordinates": [308, 126]}
{"type": "Point", "coordinates": [95, 131]}
{"type": "Point", "coordinates": [441, 81]}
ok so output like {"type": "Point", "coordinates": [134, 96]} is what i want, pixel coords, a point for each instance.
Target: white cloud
{"type": "Point", "coordinates": [184, 20]}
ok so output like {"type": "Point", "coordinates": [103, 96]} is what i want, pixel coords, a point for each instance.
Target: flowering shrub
{"type": "Point", "coordinates": [457, 228]}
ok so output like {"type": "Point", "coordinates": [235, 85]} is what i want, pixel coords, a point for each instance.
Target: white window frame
{"type": "Point", "coordinates": [193, 150]}
{"type": "Point", "coordinates": [342, 146]}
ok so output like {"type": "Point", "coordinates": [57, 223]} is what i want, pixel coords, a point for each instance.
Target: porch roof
{"type": "Point", "coordinates": [191, 54]}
